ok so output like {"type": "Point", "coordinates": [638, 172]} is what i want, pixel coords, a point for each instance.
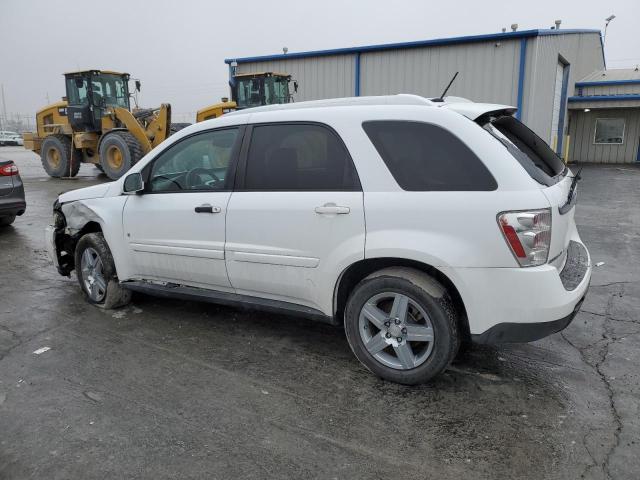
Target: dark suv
{"type": "Point", "coordinates": [12, 202]}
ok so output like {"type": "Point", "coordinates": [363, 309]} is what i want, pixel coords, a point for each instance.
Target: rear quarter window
{"type": "Point", "coordinates": [426, 157]}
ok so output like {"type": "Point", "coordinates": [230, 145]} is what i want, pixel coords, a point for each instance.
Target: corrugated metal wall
{"type": "Point", "coordinates": [318, 77]}
{"type": "Point", "coordinates": [611, 90]}
{"type": "Point", "coordinates": [582, 132]}
{"type": "Point", "coordinates": [488, 71]}
{"type": "Point", "coordinates": [584, 55]}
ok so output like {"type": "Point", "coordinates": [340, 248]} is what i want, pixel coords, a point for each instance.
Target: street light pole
{"type": "Point", "coordinates": [608, 20]}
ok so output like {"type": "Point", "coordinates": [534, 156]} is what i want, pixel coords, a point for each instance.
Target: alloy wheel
{"type": "Point", "coordinates": [396, 330]}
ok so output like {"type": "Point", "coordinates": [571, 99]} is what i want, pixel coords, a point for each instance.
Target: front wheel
{"type": "Point", "coordinates": [119, 151]}
{"type": "Point", "coordinates": [400, 323]}
{"type": "Point", "coordinates": [96, 273]}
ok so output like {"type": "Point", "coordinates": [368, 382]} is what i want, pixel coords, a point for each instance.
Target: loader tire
{"type": "Point", "coordinates": [59, 157]}
{"type": "Point", "coordinates": [119, 151]}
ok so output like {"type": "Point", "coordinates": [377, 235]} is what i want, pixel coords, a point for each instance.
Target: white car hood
{"type": "Point", "coordinates": [95, 191]}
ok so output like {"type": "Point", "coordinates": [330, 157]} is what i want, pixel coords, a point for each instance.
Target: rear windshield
{"type": "Point", "coordinates": [533, 153]}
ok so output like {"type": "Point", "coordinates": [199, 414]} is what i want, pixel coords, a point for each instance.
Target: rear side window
{"type": "Point", "coordinates": [296, 157]}
{"type": "Point", "coordinates": [426, 157]}
{"type": "Point", "coordinates": [533, 153]}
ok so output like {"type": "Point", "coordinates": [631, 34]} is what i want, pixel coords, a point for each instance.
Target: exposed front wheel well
{"type": "Point", "coordinates": [66, 245]}
{"type": "Point", "coordinates": [363, 268]}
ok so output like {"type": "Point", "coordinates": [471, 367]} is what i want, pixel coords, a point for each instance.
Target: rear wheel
{"type": "Point", "coordinates": [4, 221]}
{"type": "Point", "coordinates": [59, 157]}
{"type": "Point", "coordinates": [401, 325]}
{"type": "Point", "coordinates": [96, 273]}
{"type": "Point", "coordinates": [119, 151]}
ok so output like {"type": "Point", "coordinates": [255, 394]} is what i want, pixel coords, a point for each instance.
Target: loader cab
{"type": "Point", "coordinates": [90, 93]}
{"type": "Point", "coordinates": [258, 89]}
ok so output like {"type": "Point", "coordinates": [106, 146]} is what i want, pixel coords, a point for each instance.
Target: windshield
{"type": "Point", "coordinates": [110, 91]}
{"type": "Point", "coordinates": [533, 153]}
{"type": "Point", "coordinates": [276, 90]}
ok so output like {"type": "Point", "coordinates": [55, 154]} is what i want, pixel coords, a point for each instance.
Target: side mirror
{"type": "Point", "coordinates": [133, 183]}
{"type": "Point", "coordinates": [295, 86]}
{"type": "Point", "coordinates": [138, 85]}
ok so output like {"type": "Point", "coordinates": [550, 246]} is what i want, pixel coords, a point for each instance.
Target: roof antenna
{"type": "Point", "coordinates": [441, 97]}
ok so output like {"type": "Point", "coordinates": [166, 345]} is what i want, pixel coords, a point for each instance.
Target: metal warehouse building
{"type": "Point", "coordinates": [604, 117]}
{"type": "Point", "coordinates": [534, 70]}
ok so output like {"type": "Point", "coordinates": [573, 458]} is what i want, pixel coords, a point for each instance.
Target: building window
{"type": "Point", "coordinates": [609, 130]}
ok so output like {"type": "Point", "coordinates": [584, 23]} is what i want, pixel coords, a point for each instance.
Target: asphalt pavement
{"type": "Point", "coordinates": [177, 389]}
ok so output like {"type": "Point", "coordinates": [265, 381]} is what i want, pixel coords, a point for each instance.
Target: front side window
{"type": "Point", "coordinates": [426, 157]}
{"type": "Point", "coordinates": [198, 163]}
{"type": "Point", "coordinates": [609, 130]}
{"type": "Point", "coordinates": [295, 157]}
{"type": "Point", "coordinates": [249, 94]}
{"type": "Point", "coordinates": [77, 91]}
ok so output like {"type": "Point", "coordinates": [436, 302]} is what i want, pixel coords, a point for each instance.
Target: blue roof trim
{"type": "Point", "coordinates": [605, 83]}
{"type": "Point", "coordinates": [521, 71]}
{"type": "Point", "coordinates": [604, 98]}
{"type": "Point", "coordinates": [415, 44]}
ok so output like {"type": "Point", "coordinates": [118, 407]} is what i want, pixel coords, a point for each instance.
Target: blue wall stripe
{"type": "Point", "coordinates": [604, 98]}
{"type": "Point", "coordinates": [608, 82]}
{"type": "Point", "coordinates": [521, 73]}
{"type": "Point", "coordinates": [357, 75]}
{"type": "Point", "coordinates": [420, 43]}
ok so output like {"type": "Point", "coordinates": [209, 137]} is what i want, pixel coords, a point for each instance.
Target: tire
{"type": "Point", "coordinates": [119, 151]}
{"type": "Point", "coordinates": [176, 127]}
{"type": "Point", "coordinates": [99, 282]}
{"type": "Point", "coordinates": [430, 314]}
{"type": "Point", "coordinates": [6, 221]}
{"type": "Point", "coordinates": [56, 152]}
{"type": "Point", "coordinates": [99, 167]}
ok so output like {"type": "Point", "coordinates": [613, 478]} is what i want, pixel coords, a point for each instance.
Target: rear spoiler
{"type": "Point", "coordinates": [476, 111]}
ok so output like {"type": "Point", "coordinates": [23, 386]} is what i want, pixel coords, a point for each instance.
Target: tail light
{"type": "Point", "coordinates": [8, 170]}
{"type": "Point", "coordinates": [528, 234]}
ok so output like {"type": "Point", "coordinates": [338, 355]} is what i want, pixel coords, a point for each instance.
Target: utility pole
{"type": "Point", "coordinates": [4, 107]}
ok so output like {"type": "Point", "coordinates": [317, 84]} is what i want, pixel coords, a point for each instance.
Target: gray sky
{"type": "Point", "coordinates": [177, 48]}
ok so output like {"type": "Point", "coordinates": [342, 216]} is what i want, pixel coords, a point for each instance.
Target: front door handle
{"type": "Point", "coordinates": [332, 209]}
{"type": "Point", "coordinates": [206, 208]}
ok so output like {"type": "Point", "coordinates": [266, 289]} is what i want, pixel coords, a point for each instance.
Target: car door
{"type": "Point", "coordinates": [175, 230]}
{"type": "Point", "coordinates": [296, 217]}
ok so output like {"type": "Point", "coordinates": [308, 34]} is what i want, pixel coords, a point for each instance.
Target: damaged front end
{"type": "Point", "coordinates": [63, 234]}
{"type": "Point", "coordinates": [60, 244]}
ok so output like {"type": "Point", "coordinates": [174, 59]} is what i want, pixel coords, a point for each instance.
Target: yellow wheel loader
{"type": "Point", "coordinates": [95, 124]}
{"type": "Point", "coordinates": [251, 90]}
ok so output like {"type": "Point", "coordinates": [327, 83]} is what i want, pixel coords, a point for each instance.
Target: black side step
{"type": "Point", "coordinates": [225, 298]}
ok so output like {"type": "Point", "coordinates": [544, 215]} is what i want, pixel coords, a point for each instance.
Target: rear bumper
{"type": "Point", "coordinates": [14, 203]}
{"type": "Point", "coordinates": [524, 304]}
{"type": "Point", "coordinates": [524, 332]}
{"type": "Point", "coordinates": [10, 206]}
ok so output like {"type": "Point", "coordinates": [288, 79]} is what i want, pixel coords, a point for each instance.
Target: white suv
{"type": "Point", "coordinates": [416, 223]}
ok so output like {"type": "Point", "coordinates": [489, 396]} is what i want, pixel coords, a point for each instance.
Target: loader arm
{"type": "Point", "coordinates": [150, 133]}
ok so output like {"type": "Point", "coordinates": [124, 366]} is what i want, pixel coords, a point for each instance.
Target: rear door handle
{"type": "Point", "coordinates": [332, 209]}
{"type": "Point", "coordinates": [206, 208]}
